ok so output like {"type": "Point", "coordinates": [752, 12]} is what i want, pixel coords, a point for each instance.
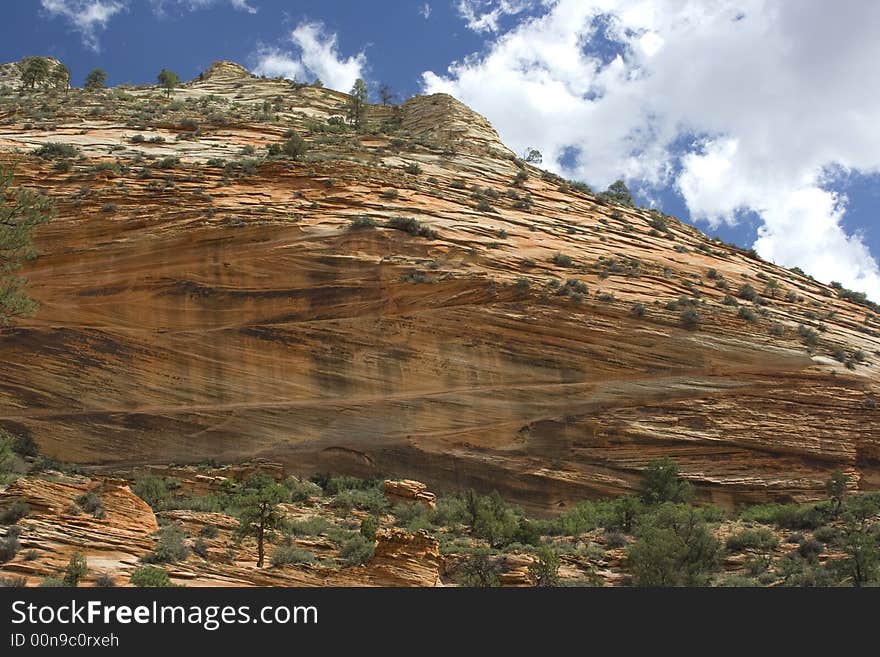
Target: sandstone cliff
{"type": "Point", "coordinates": [201, 301]}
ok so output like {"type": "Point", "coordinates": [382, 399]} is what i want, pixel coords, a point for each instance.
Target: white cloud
{"type": "Point", "coordinates": [739, 104]}
{"type": "Point", "coordinates": [483, 15]}
{"type": "Point", "coordinates": [88, 17]}
{"type": "Point", "coordinates": [317, 55]}
{"type": "Point", "coordinates": [425, 11]}
{"type": "Point", "coordinates": [159, 6]}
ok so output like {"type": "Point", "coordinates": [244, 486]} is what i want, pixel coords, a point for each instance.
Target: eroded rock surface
{"type": "Point", "coordinates": [220, 306]}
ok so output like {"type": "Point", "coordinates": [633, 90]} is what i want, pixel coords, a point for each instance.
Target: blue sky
{"type": "Point", "coordinates": [754, 119]}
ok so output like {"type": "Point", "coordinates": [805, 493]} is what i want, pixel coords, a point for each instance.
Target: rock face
{"type": "Point", "coordinates": [409, 491]}
{"type": "Point", "coordinates": [113, 535]}
{"type": "Point", "coordinates": [199, 304]}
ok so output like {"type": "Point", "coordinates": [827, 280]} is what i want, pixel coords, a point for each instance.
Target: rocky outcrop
{"type": "Point", "coordinates": [529, 339]}
{"type": "Point", "coordinates": [407, 491]}
{"type": "Point", "coordinates": [405, 559]}
{"type": "Point", "coordinates": [10, 74]}
{"type": "Point", "coordinates": [99, 517]}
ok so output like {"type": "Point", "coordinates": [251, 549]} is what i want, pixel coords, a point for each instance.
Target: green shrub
{"type": "Point", "coordinates": [362, 221]}
{"type": "Point", "coordinates": [25, 445]}
{"type": "Point", "coordinates": [747, 292]}
{"type": "Point", "coordinates": [54, 150]}
{"type": "Point", "coordinates": [690, 318]}
{"type": "Point", "coordinates": [200, 548]}
{"type": "Point", "coordinates": [747, 314]}
{"type": "Point", "coordinates": [91, 502]}
{"type": "Point", "coordinates": [372, 500]}
{"type": "Point", "coordinates": [638, 310]}
{"type": "Point", "coordinates": [301, 490]}
{"type": "Point", "coordinates": [369, 527]}
{"type": "Point", "coordinates": [357, 550]}
{"type": "Point", "coordinates": [287, 555]}
{"type": "Point", "coordinates": [810, 336]}
{"type": "Point", "coordinates": [9, 545]}
{"type": "Point", "coordinates": [673, 547]}
{"type": "Point", "coordinates": [826, 534]}
{"type": "Point", "coordinates": [77, 568]}
{"type": "Point", "coordinates": [810, 549]}
{"type": "Point", "coordinates": [479, 570]}
{"type": "Point", "coordinates": [415, 516]}
{"type": "Point", "coordinates": [752, 539]}
{"type": "Point", "coordinates": [545, 569]}
{"type": "Point", "coordinates": [294, 147]}
{"type": "Point", "coordinates": [51, 582]}
{"type": "Point", "coordinates": [615, 539]}
{"type": "Point", "coordinates": [787, 516]}
{"type": "Point", "coordinates": [208, 531]}
{"type": "Point", "coordinates": [16, 511]}
{"type": "Point", "coordinates": [171, 546]}
{"type": "Point", "coordinates": [662, 483]}
{"type": "Point", "coordinates": [561, 260]}
{"type": "Point", "coordinates": [313, 526]}
{"type": "Point", "coordinates": [413, 168]}
{"type": "Point", "coordinates": [167, 163]}
{"type": "Point", "coordinates": [105, 581]}
{"type": "Point", "coordinates": [411, 226]}
{"type": "Point", "coordinates": [150, 576]}
{"type": "Point", "coordinates": [152, 490]}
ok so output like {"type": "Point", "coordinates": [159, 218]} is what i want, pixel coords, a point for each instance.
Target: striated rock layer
{"type": "Point", "coordinates": [196, 310]}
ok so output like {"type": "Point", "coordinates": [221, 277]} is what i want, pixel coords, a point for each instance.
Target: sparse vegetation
{"type": "Point", "coordinates": [150, 576]}
{"type": "Point", "coordinates": [411, 226]}
{"type": "Point", "coordinates": [76, 570]}
{"type": "Point", "coordinates": [54, 150]}
{"type": "Point", "coordinates": [288, 555]}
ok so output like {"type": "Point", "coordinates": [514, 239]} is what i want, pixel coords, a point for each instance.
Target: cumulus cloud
{"type": "Point", "coordinates": [425, 11]}
{"type": "Point", "coordinates": [740, 105]}
{"type": "Point", "coordinates": [88, 17]}
{"type": "Point", "coordinates": [316, 55]}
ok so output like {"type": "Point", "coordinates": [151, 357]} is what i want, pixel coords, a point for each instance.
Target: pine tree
{"type": "Point", "coordinates": [357, 103]}
{"type": "Point", "coordinates": [96, 79]}
{"type": "Point", "coordinates": [34, 71]}
{"type": "Point", "coordinates": [260, 515]}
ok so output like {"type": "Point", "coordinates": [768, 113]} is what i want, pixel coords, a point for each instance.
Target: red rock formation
{"type": "Point", "coordinates": [408, 491]}
{"type": "Point", "coordinates": [194, 311]}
